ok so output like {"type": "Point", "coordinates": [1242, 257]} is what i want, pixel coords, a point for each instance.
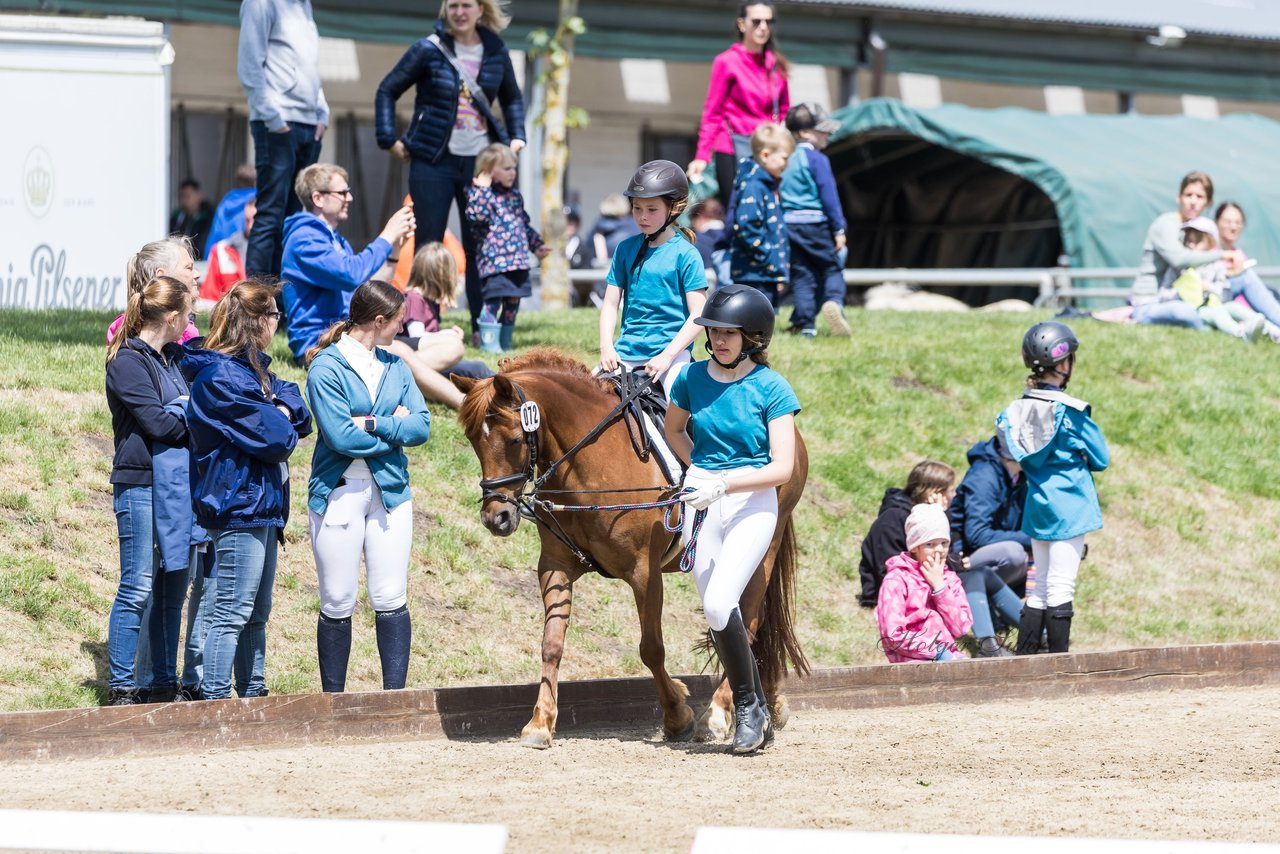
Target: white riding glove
{"type": "Point", "coordinates": [705, 494]}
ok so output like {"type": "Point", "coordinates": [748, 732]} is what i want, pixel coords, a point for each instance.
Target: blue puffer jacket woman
{"type": "Point", "coordinates": [450, 123]}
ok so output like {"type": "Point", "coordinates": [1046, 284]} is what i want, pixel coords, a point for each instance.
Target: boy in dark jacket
{"type": "Point", "coordinates": [758, 254]}
{"type": "Point", "coordinates": [815, 224]}
{"type": "Point", "coordinates": [986, 515]}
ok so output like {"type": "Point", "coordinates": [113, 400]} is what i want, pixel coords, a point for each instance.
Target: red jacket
{"type": "Point", "coordinates": [741, 96]}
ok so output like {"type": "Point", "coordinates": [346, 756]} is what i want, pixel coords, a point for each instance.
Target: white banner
{"type": "Point", "coordinates": [83, 156]}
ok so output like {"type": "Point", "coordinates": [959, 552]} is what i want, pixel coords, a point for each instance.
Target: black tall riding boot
{"type": "Point", "coordinates": [750, 714]}
{"type": "Point", "coordinates": [1058, 624]}
{"type": "Point", "coordinates": [764, 703]}
{"type": "Point", "coordinates": [333, 645]}
{"type": "Point", "coordinates": [395, 631]}
{"type": "Point", "coordinates": [1029, 628]}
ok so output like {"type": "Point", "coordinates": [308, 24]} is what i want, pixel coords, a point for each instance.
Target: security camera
{"type": "Point", "coordinates": [1169, 35]}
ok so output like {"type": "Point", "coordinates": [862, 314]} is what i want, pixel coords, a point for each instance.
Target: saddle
{"type": "Point", "coordinates": [645, 417]}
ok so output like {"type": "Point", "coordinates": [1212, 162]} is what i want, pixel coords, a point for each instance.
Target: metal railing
{"type": "Point", "coordinates": [1056, 286]}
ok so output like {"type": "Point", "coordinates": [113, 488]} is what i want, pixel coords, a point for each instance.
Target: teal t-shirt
{"type": "Point", "coordinates": [729, 422]}
{"type": "Point", "coordinates": [654, 305]}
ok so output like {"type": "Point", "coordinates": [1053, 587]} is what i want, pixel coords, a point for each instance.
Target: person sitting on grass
{"type": "Point", "coordinates": [433, 353]}
{"type": "Point", "coordinates": [930, 482]}
{"type": "Point", "coordinates": [922, 607]}
{"type": "Point", "coordinates": [1202, 287]}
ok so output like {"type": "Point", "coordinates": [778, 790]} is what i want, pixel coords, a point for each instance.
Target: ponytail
{"type": "Point", "coordinates": [236, 324]}
{"type": "Point", "coordinates": [148, 305]}
{"type": "Point", "coordinates": [371, 300]}
{"type": "Point", "coordinates": [329, 336]}
{"type": "Point", "coordinates": [677, 209]}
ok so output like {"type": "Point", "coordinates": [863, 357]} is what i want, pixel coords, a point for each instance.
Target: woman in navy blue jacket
{"type": "Point", "coordinates": [244, 424]}
{"type": "Point", "coordinates": [451, 122]}
{"type": "Point", "coordinates": [142, 379]}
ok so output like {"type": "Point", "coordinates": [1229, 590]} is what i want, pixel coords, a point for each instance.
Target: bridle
{"type": "Point", "coordinates": [528, 503]}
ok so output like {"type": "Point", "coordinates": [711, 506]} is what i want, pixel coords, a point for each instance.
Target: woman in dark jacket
{"type": "Point", "coordinates": [142, 380]}
{"type": "Point", "coordinates": [244, 424]}
{"type": "Point", "coordinates": [452, 123]}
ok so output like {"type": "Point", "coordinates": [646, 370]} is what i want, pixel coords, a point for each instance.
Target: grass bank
{"type": "Point", "coordinates": [1191, 502]}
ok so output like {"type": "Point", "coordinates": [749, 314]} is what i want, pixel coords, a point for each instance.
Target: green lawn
{"type": "Point", "coordinates": [1190, 502]}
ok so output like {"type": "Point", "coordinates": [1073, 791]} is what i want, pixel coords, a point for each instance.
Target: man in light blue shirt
{"type": "Point", "coordinates": [279, 70]}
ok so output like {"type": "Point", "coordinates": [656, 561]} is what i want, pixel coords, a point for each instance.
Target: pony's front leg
{"type": "Point", "coordinates": [557, 602]}
{"type": "Point", "coordinates": [716, 721]}
{"type": "Point", "coordinates": [677, 717]}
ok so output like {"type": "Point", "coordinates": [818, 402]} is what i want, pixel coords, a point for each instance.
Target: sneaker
{"type": "Point", "coordinates": [833, 313]}
{"type": "Point", "coordinates": [123, 697]}
{"type": "Point", "coordinates": [189, 694]}
{"type": "Point", "coordinates": [809, 333]}
{"type": "Point", "coordinates": [991, 648]}
{"type": "Point", "coordinates": [1254, 327]}
{"type": "Point", "coordinates": [162, 694]}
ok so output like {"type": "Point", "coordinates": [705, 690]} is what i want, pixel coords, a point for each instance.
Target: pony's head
{"type": "Point", "coordinates": [490, 416]}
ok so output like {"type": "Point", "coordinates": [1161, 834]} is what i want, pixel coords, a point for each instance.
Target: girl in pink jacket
{"type": "Point", "coordinates": [922, 608]}
{"type": "Point", "coordinates": [748, 87]}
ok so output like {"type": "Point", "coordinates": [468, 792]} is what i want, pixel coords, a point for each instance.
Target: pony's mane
{"type": "Point", "coordinates": [540, 360]}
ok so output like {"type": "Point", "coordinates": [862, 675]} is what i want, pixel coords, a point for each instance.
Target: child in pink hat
{"type": "Point", "coordinates": [922, 607]}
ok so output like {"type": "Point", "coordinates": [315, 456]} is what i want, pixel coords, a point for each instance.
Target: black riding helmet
{"type": "Point", "coordinates": [1046, 344]}
{"type": "Point", "coordinates": [739, 307]}
{"type": "Point", "coordinates": [657, 179]}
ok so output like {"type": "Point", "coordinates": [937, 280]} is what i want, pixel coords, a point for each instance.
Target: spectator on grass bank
{"type": "Point", "coordinates": [986, 514]}
{"type": "Point", "coordinates": [1245, 286]}
{"type": "Point", "coordinates": [244, 423]}
{"type": "Point", "coordinates": [172, 257]}
{"type": "Point", "coordinates": [461, 70]}
{"type": "Point", "coordinates": [193, 217]}
{"type": "Point", "coordinates": [147, 394]}
{"type": "Point", "coordinates": [228, 217]}
{"type": "Point", "coordinates": [1164, 257]}
{"type": "Point", "coordinates": [921, 608]}
{"type": "Point", "coordinates": [433, 353]}
{"type": "Point", "coordinates": [815, 225]}
{"type": "Point", "coordinates": [279, 70]}
{"type": "Point", "coordinates": [368, 409]}
{"type": "Point", "coordinates": [320, 270]}
{"type": "Point", "coordinates": [226, 259]}
{"type": "Point", "coordinates": [748, 87]}
{"type": "Point", "coordinates": [759, 255]}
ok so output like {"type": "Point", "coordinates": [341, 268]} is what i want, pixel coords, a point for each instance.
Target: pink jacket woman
{"type": "Point", "coordinates": [748, 88]}
{"type": "Point", "coordinates": [913, 621]}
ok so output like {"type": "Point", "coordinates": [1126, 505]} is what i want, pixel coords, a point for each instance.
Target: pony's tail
{"type": "Point", "coordinates": [776, 644]}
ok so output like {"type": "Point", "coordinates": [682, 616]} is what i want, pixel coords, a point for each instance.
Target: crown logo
{"type": "Point", "coordinates": [37, 182]}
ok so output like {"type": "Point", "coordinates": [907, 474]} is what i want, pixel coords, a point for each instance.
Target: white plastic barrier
{"type": "Point", "coordinates": [41, 830]}
{"type": "Point", "coordinates": [734, 840]}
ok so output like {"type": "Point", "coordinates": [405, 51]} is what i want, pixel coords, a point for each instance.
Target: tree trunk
{"type": "Point", "coordinates": [555, 157]}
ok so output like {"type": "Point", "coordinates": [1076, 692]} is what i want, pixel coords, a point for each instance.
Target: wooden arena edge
{"type": "Point", "coordinates": [498, 711]}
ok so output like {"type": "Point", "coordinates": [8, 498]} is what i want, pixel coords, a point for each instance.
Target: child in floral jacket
{"type": "Point", "coordinates": [759, 252]}
{"type": "Point", "coordinates": [922, 607]}
{"type": "Point", "coordinates": [500, 225]}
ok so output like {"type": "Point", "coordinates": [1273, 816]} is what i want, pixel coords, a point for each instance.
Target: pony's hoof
{"type": "Point", "coordinates": [780, 711]}
{"type": "Point", "coordinates": [538, 739]}
{"type": "Point", "coordinates": [684, 729]}
{"type": "Point", "coordinates": [712, 725]}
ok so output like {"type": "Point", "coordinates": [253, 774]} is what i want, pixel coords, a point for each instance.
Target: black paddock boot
{"type": "Point", "coordinates": [990, 648]}
{"type": "Point", "coordinates": [1029, 629]}
{"type": "Point", "coordinates": [395, 632]}
{"type": "Point", "coordinates": [123, 697]}
{"type": "Point", "coordinates": [333, 646]}
{"type": "Point", "coordinates": [1058, 624]}
{"type": "Point", "coordinates": [750, 713]}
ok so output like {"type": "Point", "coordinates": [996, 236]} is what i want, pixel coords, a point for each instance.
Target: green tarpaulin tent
{"type": "Point", "coordinates": [955, 186]}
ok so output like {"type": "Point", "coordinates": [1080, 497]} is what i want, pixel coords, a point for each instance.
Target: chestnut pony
{"type": "Point", "coordinates": [633, 545]}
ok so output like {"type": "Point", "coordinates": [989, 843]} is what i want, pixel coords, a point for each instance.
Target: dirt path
{"type": "Point", "coordinates": [1169, 765]}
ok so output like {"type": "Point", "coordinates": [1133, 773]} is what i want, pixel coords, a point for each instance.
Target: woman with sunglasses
{"type": "Point", "coordinates": [244, 423]}
{"type": "Point", "coordinates": [748, 87]}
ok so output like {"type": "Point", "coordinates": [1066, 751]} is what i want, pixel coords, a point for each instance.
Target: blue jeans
{"type": "Point", "coordinates": [279, 157]}
{"type": "Point", "coordinates": [815, 271]}
{"type": "Point", "coordinates": [435, 187]}
{"type": "Point", "coordinates": [1169, 313]}
{"type": "Point", "coordinates": [140, 580]}
{"type": "Point", "coordinates": [1260, 297]}
{"type": "Point", "coordinates": [984, 589]}
{"type": "Point", "coordinates": [246, 569]}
